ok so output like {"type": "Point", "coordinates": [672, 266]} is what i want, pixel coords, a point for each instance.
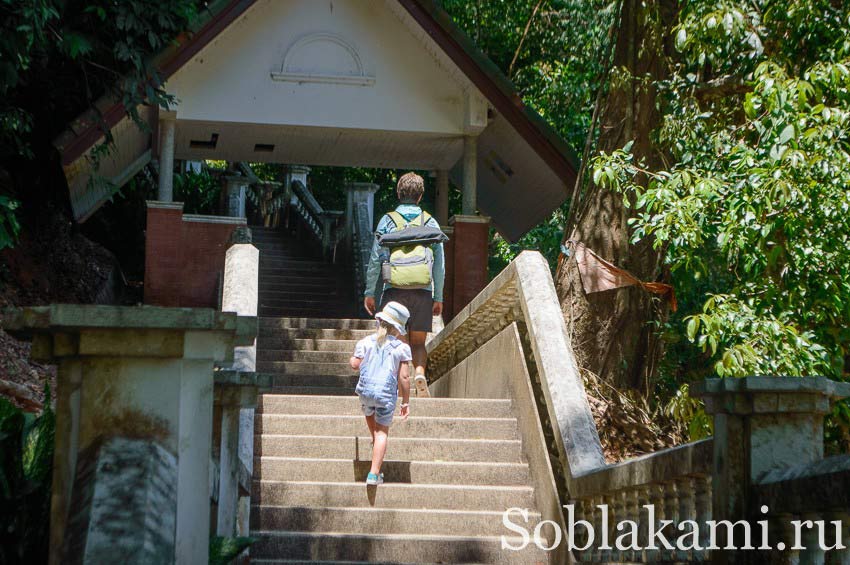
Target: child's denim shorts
{"type": "Point", "coordinates": [382, 410]}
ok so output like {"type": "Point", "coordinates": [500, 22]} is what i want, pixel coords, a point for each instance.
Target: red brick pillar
{"type": "Point", "coordinates": [471, 237]}
{"type": "Point", "coordinates": [163, 248]}
{"type": "Point", "coordinates": [449, 286]}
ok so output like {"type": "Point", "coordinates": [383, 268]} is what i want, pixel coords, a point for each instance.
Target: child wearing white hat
{"type": "Point", "coordinates": [382, 359]}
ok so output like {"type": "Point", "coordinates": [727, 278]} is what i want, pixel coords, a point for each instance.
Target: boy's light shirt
{"type": "Point", "coordinates": [438, 273]}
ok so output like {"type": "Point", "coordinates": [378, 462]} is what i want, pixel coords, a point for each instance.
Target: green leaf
{"type": "Point", "coordinates": [787, 134]}
{"type": "Point", "coordinates": [693, 326]}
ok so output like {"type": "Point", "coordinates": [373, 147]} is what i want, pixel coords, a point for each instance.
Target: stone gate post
{"type": "Point", "coordinates": [761, 425]}
{"type": "Point", "coordinates": [133, 426]}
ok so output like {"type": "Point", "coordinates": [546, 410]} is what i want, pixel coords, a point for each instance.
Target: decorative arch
{"type": "Point", "coordinates": [323, 58]}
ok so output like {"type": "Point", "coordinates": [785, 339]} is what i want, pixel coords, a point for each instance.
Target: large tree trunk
{"type": "Point", "coordinates": [611, 331]}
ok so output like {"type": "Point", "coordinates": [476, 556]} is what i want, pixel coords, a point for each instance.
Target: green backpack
{"type": "Point", "coordinates": [409, 266]}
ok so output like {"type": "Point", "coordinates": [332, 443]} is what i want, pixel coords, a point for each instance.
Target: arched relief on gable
{"type": "Point", "coordinates": [324, 58]}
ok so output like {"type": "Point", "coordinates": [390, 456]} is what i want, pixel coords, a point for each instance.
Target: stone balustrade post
{"type": "Point", "coordinates": [240, 289]}
{"type": "Point", "coordinates": [329, 219]}
{"type": "Point", "coordinates": [235, 394]}
{"type": "Point", "coordinates": [133, 426]}
{"type": "Point", "coordinates": [236, 188]}
{"type": "Point", "coordinates": [761, 424]}
{"type": "Point", "coordinates": [357, 192]}
{"type": "Point", "coordinates": [236, 390]}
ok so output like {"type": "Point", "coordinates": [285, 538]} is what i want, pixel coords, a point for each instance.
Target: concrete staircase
{"type": "Point", "coordinates": [451, 471]}
{"type": "Point", "coordinates": [296, 281]}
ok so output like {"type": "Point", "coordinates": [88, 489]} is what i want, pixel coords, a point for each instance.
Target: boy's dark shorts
{"type": "Point", "coordinates": [419, 302]}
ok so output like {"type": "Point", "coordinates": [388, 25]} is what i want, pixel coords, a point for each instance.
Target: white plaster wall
{"type": "Point", "coordinates": [229, 80]}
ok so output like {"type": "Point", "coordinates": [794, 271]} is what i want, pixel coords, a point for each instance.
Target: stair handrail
{"type": "Point", "coordinates": [307, 207]}
{"type": "Point", "coordinates": [525, 293]}
{"type": "Point", "coordinates": [691, 482]}
{"type": "Point", "coordinates": [362, 242]}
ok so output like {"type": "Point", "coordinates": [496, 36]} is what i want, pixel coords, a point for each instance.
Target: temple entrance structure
{"type": "Point", "coordinates": [386, 83]}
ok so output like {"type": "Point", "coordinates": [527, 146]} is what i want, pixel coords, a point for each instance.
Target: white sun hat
{"type": "Point", "coordinates": [395, 314]}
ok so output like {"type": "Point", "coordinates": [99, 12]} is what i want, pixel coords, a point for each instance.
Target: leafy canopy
{"type": "Point", "coordinates": [753, 211]}
{"type": "Point", "coordinates": [57, 57]}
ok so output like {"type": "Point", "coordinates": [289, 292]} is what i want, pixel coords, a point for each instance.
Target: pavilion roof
{"type": "Point", "coordinates": [536, 133]}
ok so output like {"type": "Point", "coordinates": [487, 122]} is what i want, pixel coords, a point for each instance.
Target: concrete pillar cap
{"type": "Point", "coordinates": [362, 186]}
{"type": "Point", "coordinates": [759, 394]}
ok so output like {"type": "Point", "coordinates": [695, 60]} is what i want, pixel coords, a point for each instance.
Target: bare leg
{"type": "Point", "coordinates": [420, 355]}
{"type": "Point", "coordinates": [380, 447]}
{"type": "Point", "coordinates": [370, 423]}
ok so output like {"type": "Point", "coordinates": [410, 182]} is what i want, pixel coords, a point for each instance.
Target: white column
{"type": "Point", "coordinates": [442, 197]}
{"type": "Point", "coordinates": [470, 176]}
{"type": "Point", "coordinates": [166, 160]}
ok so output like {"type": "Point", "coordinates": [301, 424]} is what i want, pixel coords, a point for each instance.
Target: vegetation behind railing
{"type": "Point", "coordinates": [768, 441]}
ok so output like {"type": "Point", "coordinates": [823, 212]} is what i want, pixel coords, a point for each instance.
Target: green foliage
{"type": "Point", "coordinates": [199, 192]}
{"type": "Point", "coordinates": [559, 63]}
{"type": "Point", "coordinates": [545, 238]}
{"type": "Point", "coordinates": [26, 463]}
{"type": "Point", "coordinates": [753, 211]}
{"type": "Point", "coordinates": [57, 57]}
{"type": "Point", "coordinates": [224, 550]}
{"type": "Point", "coordinates": [684, 408]}
{"type": "Point", "coordinates": [9, 226]}
{"type": "Point", "coordinates": [558, 70]}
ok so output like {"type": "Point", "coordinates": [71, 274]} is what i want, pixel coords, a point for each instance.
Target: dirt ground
{"type": "Point", "coordinates": [52, 262]}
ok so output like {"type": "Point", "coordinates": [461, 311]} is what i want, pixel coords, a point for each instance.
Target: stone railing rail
{"type": "Point", "coordinates": [768, 430]}
{"type": "Point", "coordinates": [321, 223]}
{"type": "Point", "coordinates": [362, 239]}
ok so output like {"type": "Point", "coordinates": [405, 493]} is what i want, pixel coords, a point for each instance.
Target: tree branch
{"type": "Point", "coordinates": [522, 39]}
{"type": "Point", "coordinates": [721, 87]}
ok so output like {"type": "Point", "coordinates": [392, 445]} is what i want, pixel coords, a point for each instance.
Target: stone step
{"type": "Point", "coordinates": [301, 262]}
{"type": "Point", "coordinates": [313, 333]}
{"type": "Point", "coordinates": [299, 269]}
{"type": "Point", "coordinates": [283, 246]}
{"type": "Point", "coordinates": [328, 311]}
{"type": "Point", "coordinates": [415, 426]}
{"type": "Point", "coordinates": [312, 323]}
{"type": "Point", "coordinates": [300, 368]}
{"type": "Point", "coordinates": [315, 494]}
{"type": "Point", "coordinates": [281, 298]}
{"type": "Point", "coordinates": [335, 345]}
{"type": "Point", "coordinates": [277, 251]}
{"type": "Point", "coordinates": [412, 449]}
{"type": "Point", "coordinates": [270, 251]}
{"type": "Point", "coordinates": [418, 472]}
{"type": "Point", "coordinates": [393, 548]}
{"type": "Point", "coordinates": [330, 391]}
{"type": "Point", "coordinates": [330, 305]}
{"type": "Point", "coordinates": [435, 407]}
{"type": "Point", "coordinates": [322, 562]}
{"type": "Point", "coordinates": [347, 382]}
{"type": "Point", "coordinates": [299, 288]}
{"type": "Point", "coordinates": [304, 356]}
{"type": "Point", "coordinates": [377, 520]}
{"type": "Point", "coordinates": [284, 278]}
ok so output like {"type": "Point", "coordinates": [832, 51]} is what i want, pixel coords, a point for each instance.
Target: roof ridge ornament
{"type": "Point", "coordinates": [334, 50]}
